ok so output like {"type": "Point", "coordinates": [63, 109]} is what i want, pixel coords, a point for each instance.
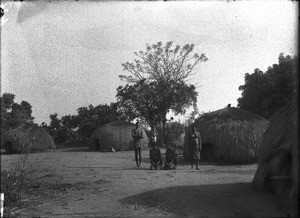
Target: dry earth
{"type": "Point", "coordinates": [95, 184]}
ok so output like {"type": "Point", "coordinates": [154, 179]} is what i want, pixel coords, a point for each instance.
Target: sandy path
{"type": "Point", "coordinates": [108, 184]}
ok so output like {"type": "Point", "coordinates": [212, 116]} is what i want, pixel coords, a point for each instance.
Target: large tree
{"type": "Point", "coordinates": [265, 92]}
{"type": "Point", "coordinates": [56, 128]}
{"type": "Point", "coordinates": [158, 82]}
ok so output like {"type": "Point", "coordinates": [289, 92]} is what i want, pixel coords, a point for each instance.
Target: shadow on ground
{"type": "Point", "coordinates": [218, 200]}
{"type": "Point", "coordinates": [182, 162]}
{"type": "Point", "coordinates": [80, 149]}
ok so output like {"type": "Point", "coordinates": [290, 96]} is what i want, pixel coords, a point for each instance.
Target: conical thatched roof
{"type": "Point", "coordinates": [278, 163]}
{"type": "Point", "coordinates": [115, 135]}
{"type": "Point", "coordinates": [233, 135]}
{"type": "Point", "coordinates": [27, 138]}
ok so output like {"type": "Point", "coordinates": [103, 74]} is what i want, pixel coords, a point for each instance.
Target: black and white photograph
{"type": "Point", "coordinates": [149, 108]}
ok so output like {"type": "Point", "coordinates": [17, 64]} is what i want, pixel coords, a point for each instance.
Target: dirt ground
{"type": "Point", "coordinates": [94, 184]}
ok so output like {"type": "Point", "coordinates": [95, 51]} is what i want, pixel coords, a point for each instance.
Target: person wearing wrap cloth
{"type": "Point", "coordinates": [171, 158]}
{"type": "Point", "coordinates": [153, 136]}
{"type": "Point", "coordinates": [195, 147]}
{"type": "Point", "coordinates": [137, 135]}
{"type": "Point", "coordinates": [155, 158]}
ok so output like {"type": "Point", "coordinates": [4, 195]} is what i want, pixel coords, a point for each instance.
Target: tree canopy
{"type": "Point", "coordinates": [84, 122]}
{"type": "Point", "coordinates": [265, 92]}
{"type": "Point", "coordinates": [14, 114]}
{"type": "Point", "coordinates": [158, 82]}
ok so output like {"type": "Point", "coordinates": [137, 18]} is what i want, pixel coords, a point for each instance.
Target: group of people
{"type": "Point", "coordinates": [156, 162]}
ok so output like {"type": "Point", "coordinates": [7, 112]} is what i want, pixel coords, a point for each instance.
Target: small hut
{"type": "Point", "coordinates": [27, 138]}
{"type": "Point", "coordinates": [229, 135]}
{"type": "Point", "coordinates": [278, 163]}
{"type": "Point", "coordinates": [115, 136]}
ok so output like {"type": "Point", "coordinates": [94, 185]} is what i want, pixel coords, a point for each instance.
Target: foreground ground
{"type": "Point", "coordinates": [93, 184]}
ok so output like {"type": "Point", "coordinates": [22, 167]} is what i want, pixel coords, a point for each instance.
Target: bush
{"type": "Point", "coordinates": [18, 182]}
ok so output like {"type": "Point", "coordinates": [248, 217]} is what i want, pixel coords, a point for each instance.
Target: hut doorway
{"type": "Point", "coordinates": [97, 144]}
{"type": "Point", "coordinates": [8, 147]}
{"type": "Point", "coordinates": [207, 153]}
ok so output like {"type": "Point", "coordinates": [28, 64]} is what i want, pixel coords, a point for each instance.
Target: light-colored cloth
{"type": "Point", "coordinates": [153, 135]}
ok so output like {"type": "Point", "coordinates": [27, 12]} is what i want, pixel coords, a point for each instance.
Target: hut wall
{"type": "Point", "coordinates": [116, 135]}
{"type": "Point", "coordinates": [186, 148]}
{"type": "Point", "coordinates": [233, 140]}
{"type": "Point", "coordinates": [278, 165]}
{"type": "Point", "coordinates": [28, 138]}
{"type": "Point", "coordinates": [294, 192]}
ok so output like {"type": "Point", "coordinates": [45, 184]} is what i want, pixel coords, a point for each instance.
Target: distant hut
{"type": "Point", "coordinates": [27, 138]}
{"type": "Point", "coordinates": [115, 136]}
{"type": "Point", "coordinates": [278, 163]}
{"type": "Point", "coordinates": [229, 135]}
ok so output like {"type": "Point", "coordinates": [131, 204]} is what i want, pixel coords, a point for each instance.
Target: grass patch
{"type": "Point", "coordinates": [19, 181]}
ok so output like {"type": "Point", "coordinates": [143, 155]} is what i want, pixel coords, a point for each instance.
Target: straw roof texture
{"type": "Point", "coordinates": [115, 135]}
{"type": "Point", "coordinates": [278, 163]}
{"type": "Point", "coordinates": [27, 138]}
{"type": "Point", "coordinates": [235, 134]}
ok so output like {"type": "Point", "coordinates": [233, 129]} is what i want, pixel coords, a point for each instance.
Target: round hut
{"type": "Point", "coordinates": [278, 160]}
{"type": "Point", "coordinates": [229, 135]}
{"type": "Point", "coordinates": [115, 136]}
{"type": "Point", "coordinates": [27, 138]}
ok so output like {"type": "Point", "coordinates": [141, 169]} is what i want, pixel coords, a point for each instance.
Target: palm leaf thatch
{"type": "Point", "coordinates": [278, 163]}
{"type": "Point", "coordinates": [115, 135]}
{"type": "Point", "coordinates": [27, 138]}
{"type": "Point", "coordinates": [230, 135]}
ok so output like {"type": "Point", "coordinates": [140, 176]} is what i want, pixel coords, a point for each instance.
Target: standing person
{"type": "Point", "coordinates": [137, 135]}
{"type": "Point", "coordinates": [153, 135]}
{"type": "Point", "coordinates": [195, 146]}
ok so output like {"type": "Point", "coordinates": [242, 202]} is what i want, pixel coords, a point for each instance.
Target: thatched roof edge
{"type": "Point", "coordinates": [235, 140]}
{"type": "Point", "coordinates": [29, 137]}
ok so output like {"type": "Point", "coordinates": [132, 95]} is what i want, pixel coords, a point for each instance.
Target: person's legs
{"type": "Point", "coordinates": [136, 156]}
{"type": "Point", "coordinates": [197, 163]}
{"type": "Point", "coordinates": [160, 164]}
{"type": "Point", "coordinates": [140, 156]}
{"type": "Point", "coordinates": [198, 159]}
{"type": "Point", "coordinates": [175, 161]}
{"type": "Point", "coordinates": [192, 160]}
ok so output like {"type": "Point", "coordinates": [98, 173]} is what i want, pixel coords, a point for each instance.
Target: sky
{"type": "Point", "coordinates": [60, 56]}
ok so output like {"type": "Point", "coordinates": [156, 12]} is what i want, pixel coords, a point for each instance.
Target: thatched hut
{"type": "Point", "coordinates": [278, 162]}
{"type": "Point", "coordinates": [27, 138]}
{"type": "Point", "coordinates": [115, 136]}
{"type": "Point", "coordinates": [229, 135]}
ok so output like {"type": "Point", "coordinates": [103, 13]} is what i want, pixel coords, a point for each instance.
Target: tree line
{"type": "Point", "coordinates": [265, 92]}
{"type": "Point", "coordinates": [82, 125]}
{"type": "Point", "coordinates": [158, 83]}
